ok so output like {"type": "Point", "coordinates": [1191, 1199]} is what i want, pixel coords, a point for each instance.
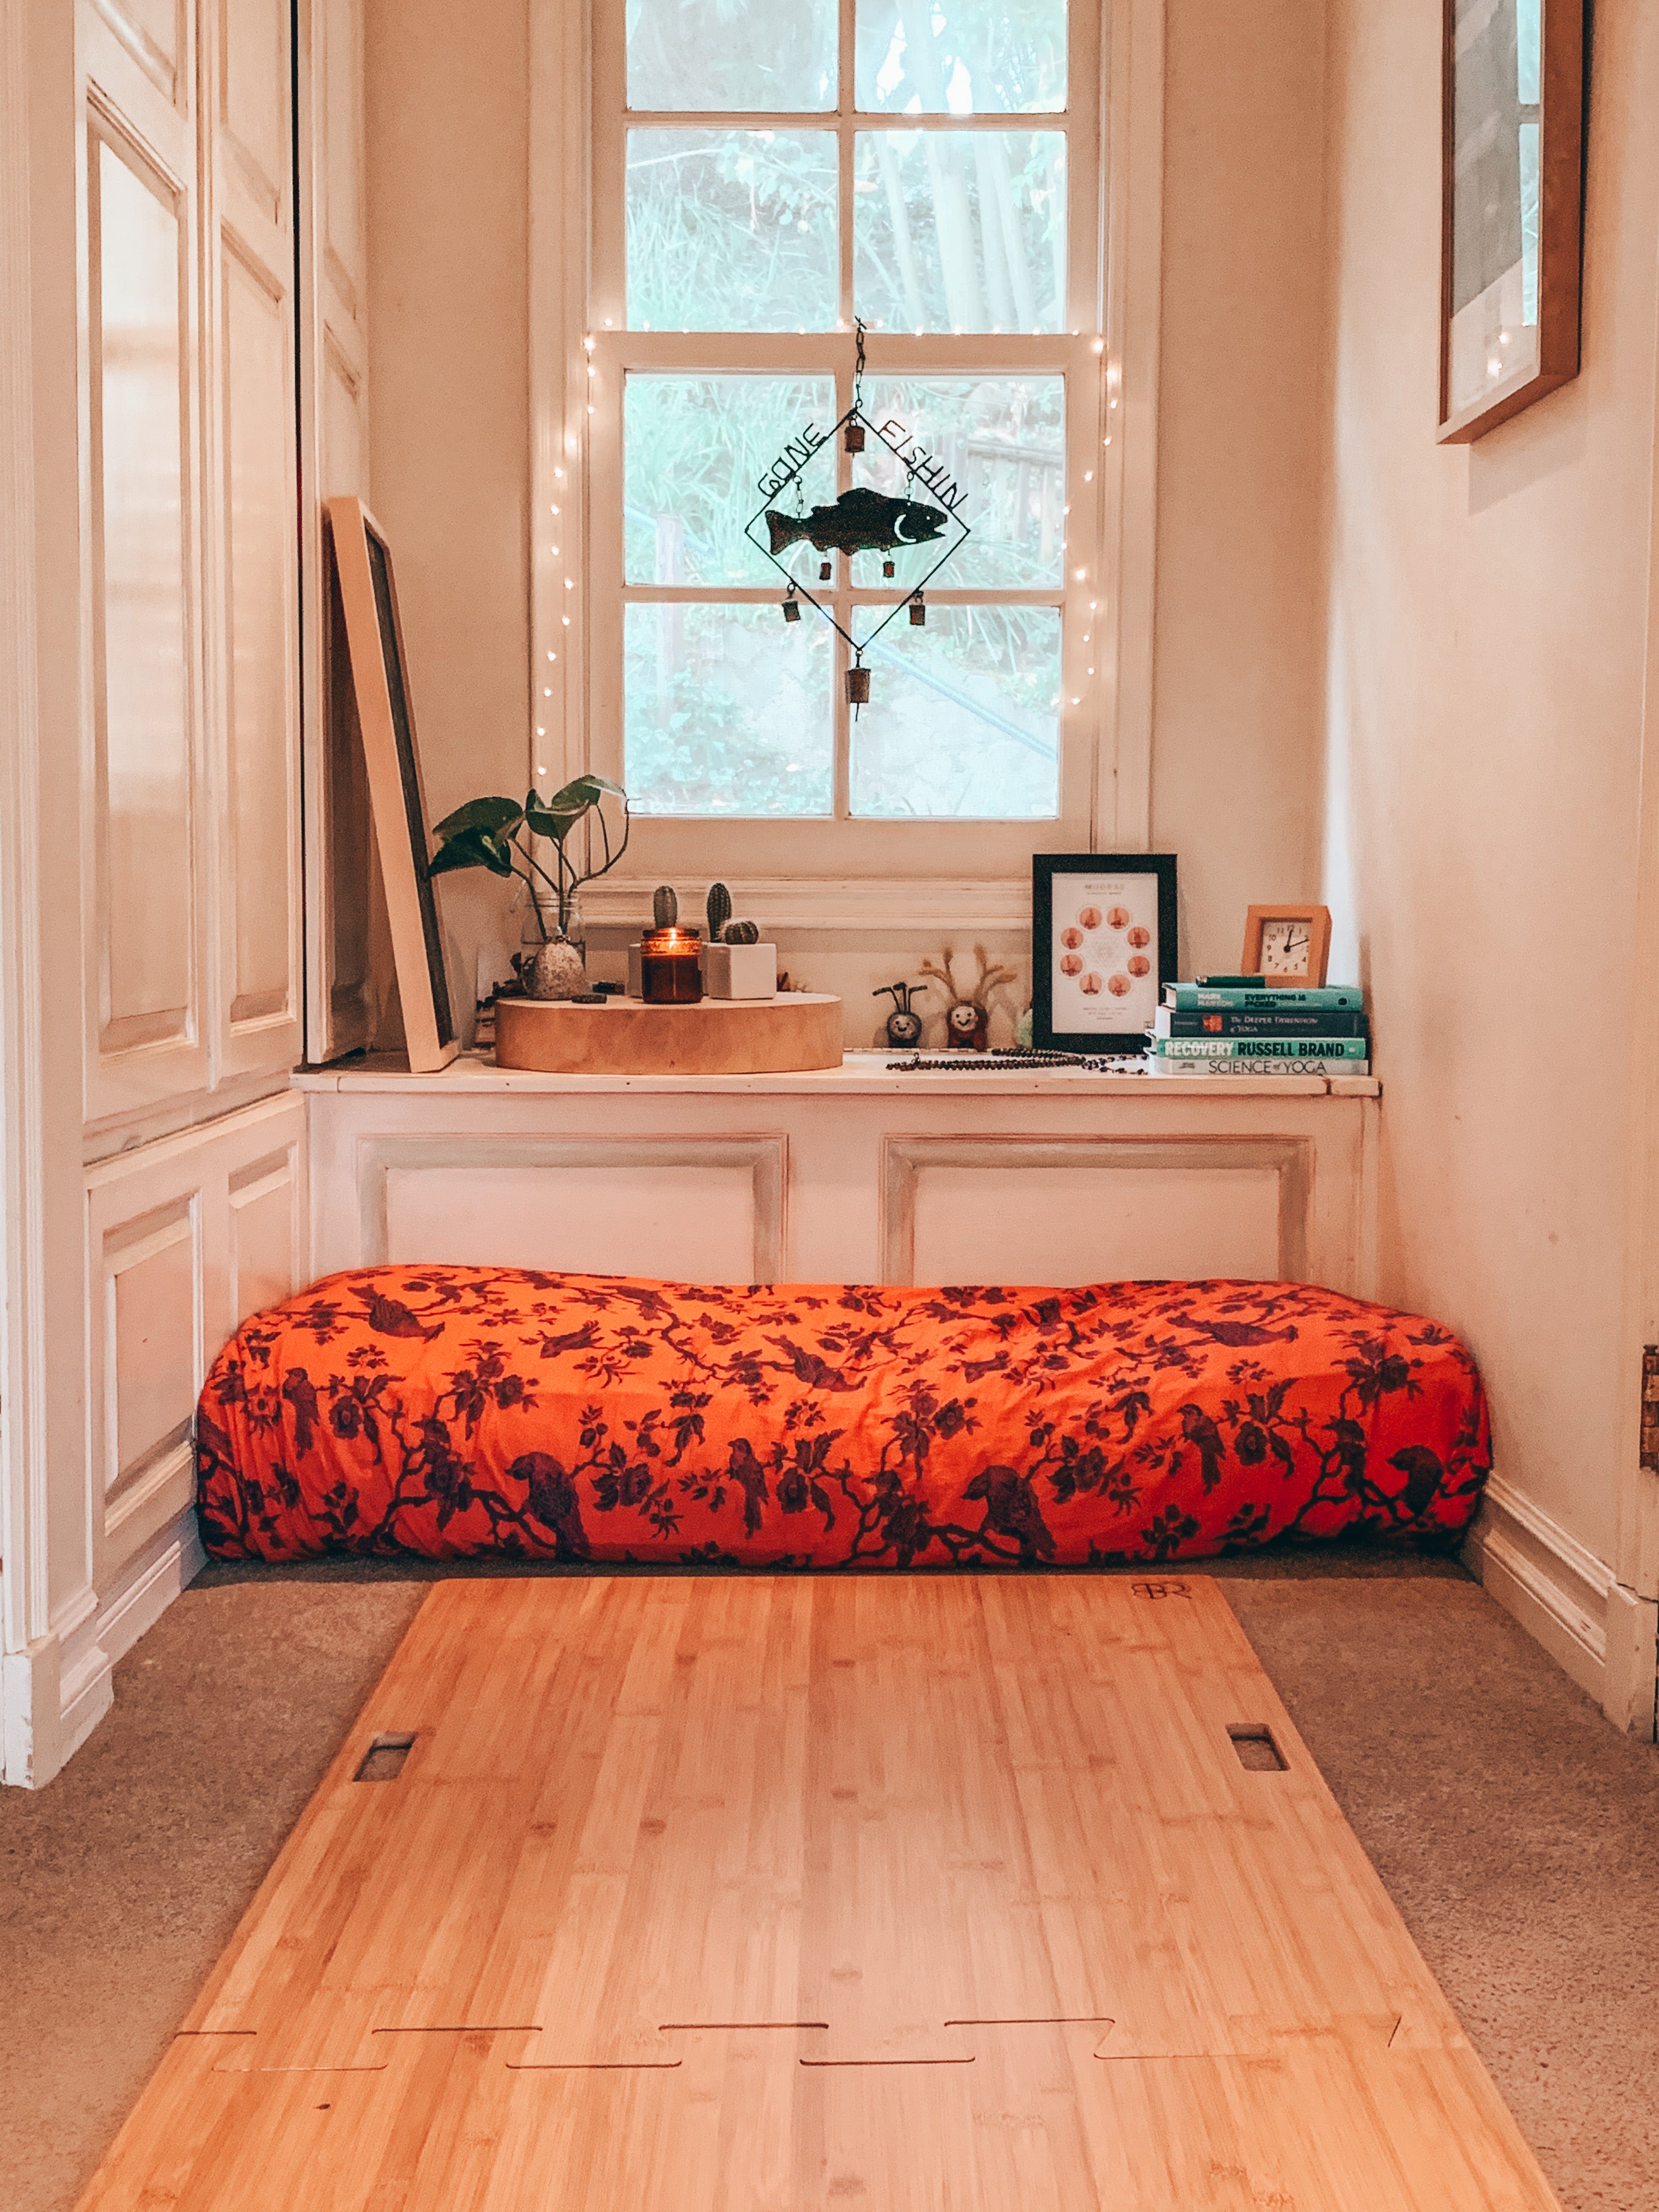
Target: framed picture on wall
{"type": "Point", "coordinates": [379, 685]}
{"type": "Point", "coordinates": [1104, 944]}
{"type": "Point", "coordinates": [1512, 207]}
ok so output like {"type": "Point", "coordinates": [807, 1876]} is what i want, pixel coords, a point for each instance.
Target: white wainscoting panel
{"type": "Point", "coordinates": [846, 1175]}
{"type": "Point", "coordinates": [708, 1211]}
{"type": "Point", "coordinates": [146, 947]}
{"type": "Point", "coordinates": [267, 1232]}
{"type": "Point", "coordinates": [152, 1271]}
{"type": "Point", "coordinates": [154, 32]}
{"type": "Point", "coordinates": [185, 1237]}
{"type": "Point", "coordinates": [253, 99]}
{"type": "Point", "coordinates": [1100, 1210]}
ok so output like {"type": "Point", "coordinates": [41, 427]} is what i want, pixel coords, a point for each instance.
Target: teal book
{"type": "Point", "coordinates": [1262, 1047]}
{"type": "Point", "coordinates": [1204, 997]}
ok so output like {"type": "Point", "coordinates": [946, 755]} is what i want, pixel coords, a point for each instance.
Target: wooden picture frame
{"type": "Point", "coordinates": [1261, 921]}
{"type": "Point", "coordinates": [379, 684]}
{"type": "Point", "coordinates": [1512, 220]}
{"type": "Point", "coordinates": [1102, 947]}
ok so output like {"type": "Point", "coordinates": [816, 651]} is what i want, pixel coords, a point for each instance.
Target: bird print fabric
{"type": "Point", "coordinates": [460, 1411]}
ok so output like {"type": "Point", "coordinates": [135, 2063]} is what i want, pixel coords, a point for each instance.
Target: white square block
{"type": "Point", "coordinates": [740, 971]}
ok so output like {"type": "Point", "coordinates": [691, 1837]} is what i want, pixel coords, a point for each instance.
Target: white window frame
{"type": "Point", "coordinates": [850, 873]}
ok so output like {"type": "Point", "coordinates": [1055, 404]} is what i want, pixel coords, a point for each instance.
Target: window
{"type": "Point", "coordinates": [765, 172]}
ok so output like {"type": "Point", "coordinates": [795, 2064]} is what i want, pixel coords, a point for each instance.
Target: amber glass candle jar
{"type": "Point", "coordinates": [670, 974]}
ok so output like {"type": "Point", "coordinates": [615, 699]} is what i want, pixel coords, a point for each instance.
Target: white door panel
{"type": "Point", "coordinates": [144, 829]}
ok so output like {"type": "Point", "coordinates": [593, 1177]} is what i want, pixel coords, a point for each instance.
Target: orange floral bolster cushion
{"type": "Point", "coordinates": [456, 1411]}
{"type": "Point", "coordinates": [494, 1410]}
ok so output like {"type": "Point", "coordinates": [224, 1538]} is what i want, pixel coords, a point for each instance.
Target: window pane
{"type": "Point", "coordinates": [960, 230]}
{"type": "Point", "coordinates": [727, 712]}
{"type": "Point", "coordinates": [1003, 442]}
{"type": "Point", "coordinates": [695, 449]}
{"type": "Point", "coordinates": [732, 54]}
{"type": "Point", "coordinates": [961, 57]}
{"type": "Point", "coordinates": [963, 718]}
{"type": "Point", "coordinates": [732, 230]}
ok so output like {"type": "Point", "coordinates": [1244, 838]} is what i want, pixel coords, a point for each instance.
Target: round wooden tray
{"type": "Point", "coordinates": [625, 1036]}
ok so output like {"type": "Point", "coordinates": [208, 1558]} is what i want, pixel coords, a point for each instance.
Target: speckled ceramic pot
{"type": "Point", "coordinates": [556, 971]}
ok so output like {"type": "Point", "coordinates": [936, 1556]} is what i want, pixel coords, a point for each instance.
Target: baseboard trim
{"type": "Point", "coordinates": [55, 1693]}
{"type": "Point", "coordinates": [163, 1571]}
{"type": "Point", "coordinates": [1557, 1589]}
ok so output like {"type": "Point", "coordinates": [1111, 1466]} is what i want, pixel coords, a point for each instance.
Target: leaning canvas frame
{"type": "Point", "coordinates": [379, 675]}
{"type": "Point", "coordinates": [1501, 349]}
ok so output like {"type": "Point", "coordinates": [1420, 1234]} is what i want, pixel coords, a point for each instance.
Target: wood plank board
{"type": "Point", "coordinates": [754, 1894]}
{"type": "Point", "coordinates": [794, 1032]}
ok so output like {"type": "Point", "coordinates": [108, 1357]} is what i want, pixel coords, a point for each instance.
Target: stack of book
{"type": "Point", "coordinates": [1251, 1026]}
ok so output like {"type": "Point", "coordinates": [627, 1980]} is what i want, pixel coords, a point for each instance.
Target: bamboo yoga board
{"type": "Point", "coordinates": [794, 1894]}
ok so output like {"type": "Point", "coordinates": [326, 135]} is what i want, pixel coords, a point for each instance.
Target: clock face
{"type": "Point", "coordinates": [1285, 947]}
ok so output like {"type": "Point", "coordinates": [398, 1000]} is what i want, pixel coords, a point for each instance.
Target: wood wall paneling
{"type": "Point", "coordinates": [253, 99]}
{"type": "Point", "coordinates": [344, 198]}
{"type": "Point", "coordinates": [185, 1236]}
{"type": "Point", "coordinates": [703, 1211]}
{"type": "Point", "coordinates": [260, 922]}
{"type": "Point", "coordinates": [155, 33]}
{"type": "Point", "coordinates": [856, 1176]}
{"type": "Point", "coordinates": [144, 630]}
{"type": "Point", "coordinates": [341, 994]}
{"type": "Point", "coordinates": [267, 1232]}
{"type": "Point", "coordinates": [1100, 1209]}
{"type": "Point", "coordinates": [152, 1285]}
{"type": "Point", "coordinates": [261, 660]}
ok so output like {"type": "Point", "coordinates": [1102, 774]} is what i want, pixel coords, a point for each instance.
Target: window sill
{"type": "Point", "coordinates": [863, 1074]}
{"type": "Point", "coordinates": [783, 904]}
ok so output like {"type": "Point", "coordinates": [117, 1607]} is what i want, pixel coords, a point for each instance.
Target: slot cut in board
{"type": "Point", "coordinates": [1257, 1750]}
{"type": "Point", "coordinates": [384, 1759]}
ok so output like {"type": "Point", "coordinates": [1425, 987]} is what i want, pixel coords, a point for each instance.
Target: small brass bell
{"type": "Point", "coordinates": [823, 571]}
{"type": "Point", "coordinates": [855, 437]}
{"type": "Point", "coordinates": [918, 612]}
{"type": "Point", "coordinates": [886, 568]}
{"type": "Point", "coordinates": [858, 687]}
{"type": "Point", "coordinates": [792, 609]}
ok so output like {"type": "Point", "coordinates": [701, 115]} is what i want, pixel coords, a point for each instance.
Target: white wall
{"type": "Point", "coordinates": [1487, 617]}
{"type": "Point", "coordinates": [1237, 703]}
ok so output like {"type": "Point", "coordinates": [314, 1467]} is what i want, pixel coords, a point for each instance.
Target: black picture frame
{"type": "Point", "coordinates": [1144, 886]}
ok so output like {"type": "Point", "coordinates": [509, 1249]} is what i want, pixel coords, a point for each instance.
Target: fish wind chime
{"type": "Point", "coordinates": [860, 521]}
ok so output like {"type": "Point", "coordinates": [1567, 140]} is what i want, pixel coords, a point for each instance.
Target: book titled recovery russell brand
{"type": "Point", "coordinates": [1262, 1047]}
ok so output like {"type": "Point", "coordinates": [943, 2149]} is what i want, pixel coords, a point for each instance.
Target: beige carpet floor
{"type": "Point", "coordinates": [1518, 1833]}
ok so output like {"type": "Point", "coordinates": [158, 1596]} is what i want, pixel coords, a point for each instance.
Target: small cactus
{"type": "Point", "coordinates": [741, 933]}
{"type": "Point", "coordinates": [665, 906]}
{"type": "Point", "coordinates": [718, 911]}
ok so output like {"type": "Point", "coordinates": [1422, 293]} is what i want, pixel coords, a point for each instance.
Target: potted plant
{"type": "Point", "coordinates": [494, 834]}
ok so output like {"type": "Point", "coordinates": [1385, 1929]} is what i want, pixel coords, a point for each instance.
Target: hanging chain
{"type": "Point", "coordinates": [858, 364]}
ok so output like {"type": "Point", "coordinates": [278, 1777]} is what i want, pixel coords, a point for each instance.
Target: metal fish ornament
{"type": "Point", "coordinates": [860, 521]}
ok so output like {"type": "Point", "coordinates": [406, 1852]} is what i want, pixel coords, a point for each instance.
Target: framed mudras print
{"type": "Point", "coordinates": [1104, 944]}
{"type": "Point", "coordinates": [1512, 208]}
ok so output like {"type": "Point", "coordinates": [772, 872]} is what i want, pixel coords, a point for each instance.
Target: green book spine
{"type": "Point", "coordinates": [1201, 998]}
{"type": "Point", "coordinates": [1211, 1047]}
